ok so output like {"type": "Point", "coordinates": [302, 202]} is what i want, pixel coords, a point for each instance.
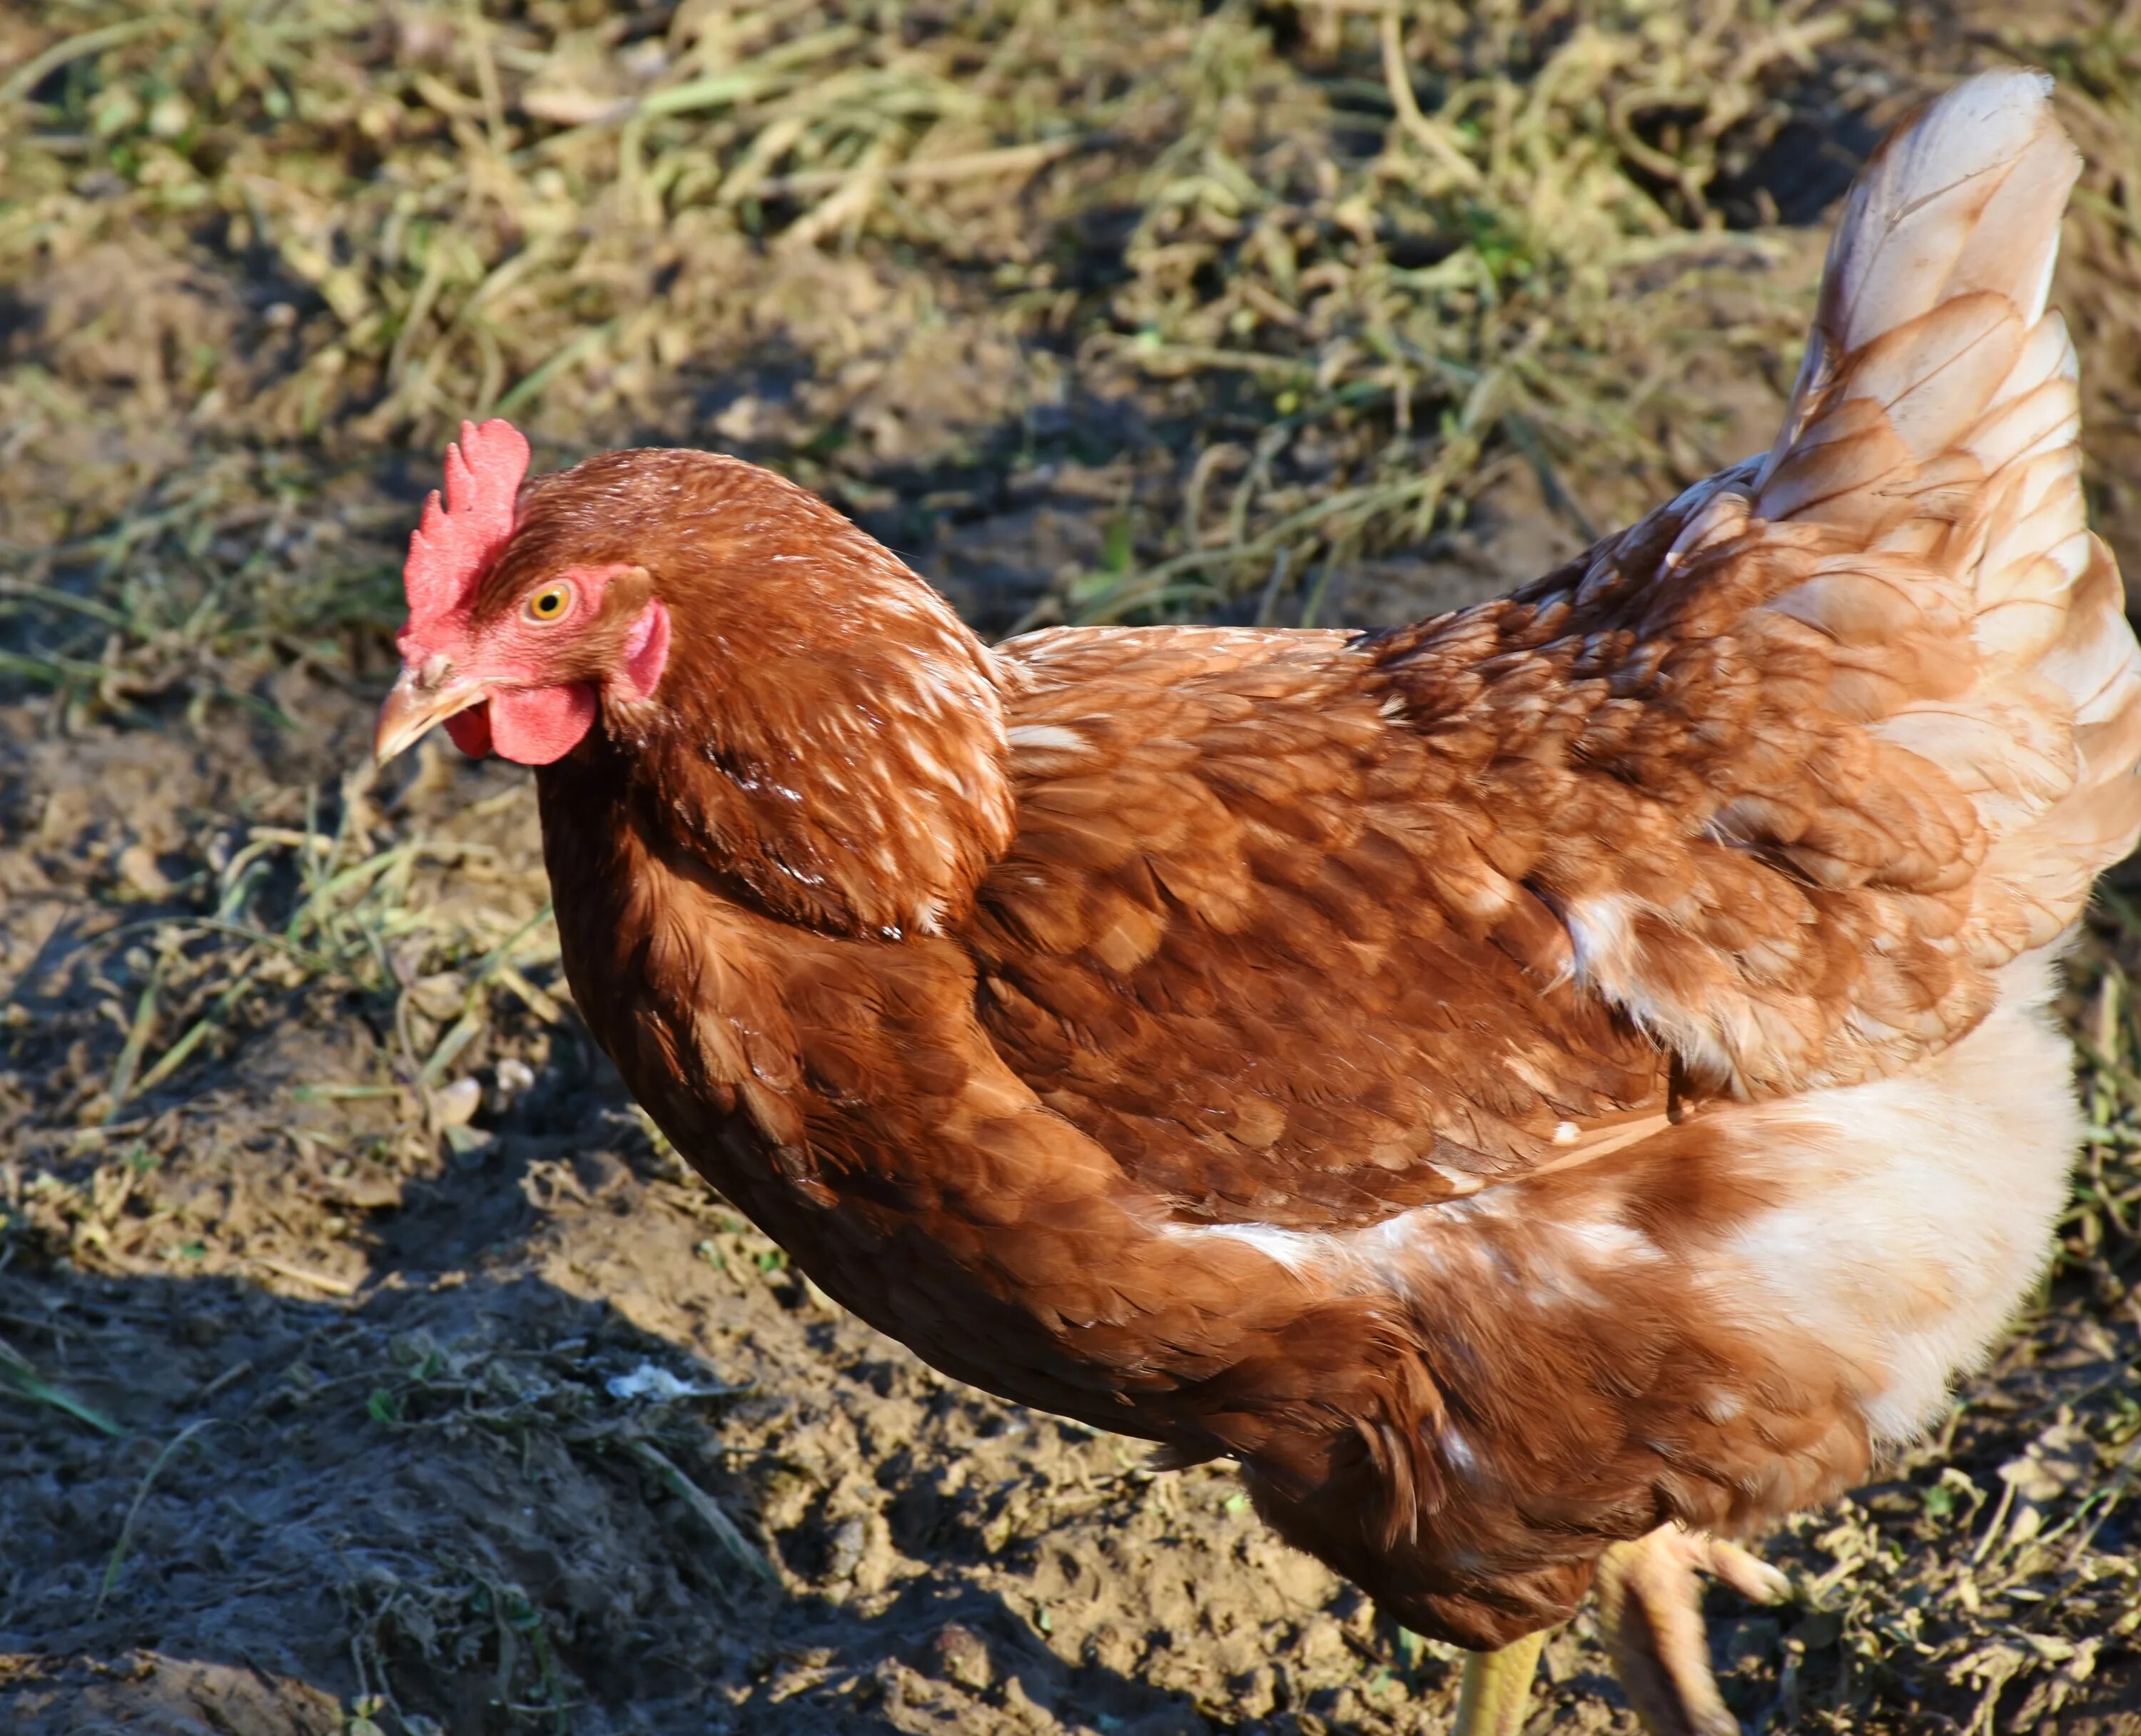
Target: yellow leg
{"type": "Point", "coordinates": [1496, 1693]}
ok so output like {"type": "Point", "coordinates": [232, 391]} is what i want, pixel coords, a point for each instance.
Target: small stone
{"type": "Point", "coordinates": [849, 1542]}
{"type": "Point", "coordinates": [169, 115]}
{"type": "Point", "coordinates": [454, 1104]}
{"type": "Point", "coordinates": [960, 1655]}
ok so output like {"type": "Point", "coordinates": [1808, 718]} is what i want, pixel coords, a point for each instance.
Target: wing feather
{"type": "Point", "coordinates": [1761, 791]}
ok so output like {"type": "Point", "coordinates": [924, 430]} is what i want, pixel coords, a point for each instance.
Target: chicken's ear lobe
{"type": "Point", "coordinates": [452, 544]}
{"type": "Point", "coordinates": [646, 651]}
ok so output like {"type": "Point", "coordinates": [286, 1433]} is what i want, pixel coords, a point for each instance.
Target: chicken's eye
{"type": "Point", "coordinates": [550, 603]}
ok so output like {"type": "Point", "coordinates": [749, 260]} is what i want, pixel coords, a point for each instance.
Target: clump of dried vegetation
{"type": "Point", "coordinates": [1100, 309]}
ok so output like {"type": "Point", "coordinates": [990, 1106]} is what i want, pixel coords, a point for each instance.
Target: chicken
{"type": "Point", "coordinates": [1547, 1089]}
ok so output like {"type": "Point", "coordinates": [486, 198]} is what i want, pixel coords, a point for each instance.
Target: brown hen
{"type": "Point", "coordinates": [1567, 1078]}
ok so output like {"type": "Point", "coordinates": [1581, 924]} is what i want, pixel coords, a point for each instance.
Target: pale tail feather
{"type": "Point", "coordinates": [1935, 424]}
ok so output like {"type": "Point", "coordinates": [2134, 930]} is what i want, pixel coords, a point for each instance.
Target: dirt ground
{"type": "Point", "coordinates": [365, 1367]}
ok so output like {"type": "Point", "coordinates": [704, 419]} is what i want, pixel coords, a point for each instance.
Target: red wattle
{"type": "Point", "coordinates": [471, 730]}
{"type": "Point", "coordinates": [536, 725]}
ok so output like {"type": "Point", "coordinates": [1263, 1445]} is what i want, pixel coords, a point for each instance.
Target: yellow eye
{"type": "Point", "coordinates": [550, 602]}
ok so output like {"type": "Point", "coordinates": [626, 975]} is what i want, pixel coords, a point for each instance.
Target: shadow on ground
{"type": "Point", "coordinates": [470, 1499]}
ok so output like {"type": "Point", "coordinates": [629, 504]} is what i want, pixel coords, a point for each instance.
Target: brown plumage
{"type": "Point", "coordinates": [1512, 1081]}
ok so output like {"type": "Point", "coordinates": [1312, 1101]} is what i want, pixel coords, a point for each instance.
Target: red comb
{"type": "Point", "coordinates": [452, 544]}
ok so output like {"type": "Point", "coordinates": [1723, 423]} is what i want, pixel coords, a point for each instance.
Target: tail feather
{"type": "Point", "coordinates": [1934, 434]}
{"type": "Point", "coordinates": [2095, 660]}
{"type": "Point", "coordinates": [1965, 198]}
{"type": "Point", "coordinates": [1886, 657]}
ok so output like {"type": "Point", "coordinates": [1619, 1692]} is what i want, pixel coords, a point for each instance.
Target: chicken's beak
{"type": "Point", "coordinates": [423, 696]}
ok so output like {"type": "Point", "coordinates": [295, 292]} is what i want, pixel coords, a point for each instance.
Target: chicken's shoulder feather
{"type": "Point", "coordinates": [1257, 936]}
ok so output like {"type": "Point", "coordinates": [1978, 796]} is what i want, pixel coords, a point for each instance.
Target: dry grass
{"type": "Point", "coordinates": [1348, 275]}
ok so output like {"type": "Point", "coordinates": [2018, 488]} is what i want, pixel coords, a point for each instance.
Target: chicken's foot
{"type": "Point", "coordinates": [1496, 1691]}
{"type": "Point", "coordinates": [1649, 1605]}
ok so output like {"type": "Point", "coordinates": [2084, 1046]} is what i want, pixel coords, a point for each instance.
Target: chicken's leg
{"type": "Point", "coordinates": [1650, 1605]}
{"type": "Point", "coordinates": [1496, 1691]}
